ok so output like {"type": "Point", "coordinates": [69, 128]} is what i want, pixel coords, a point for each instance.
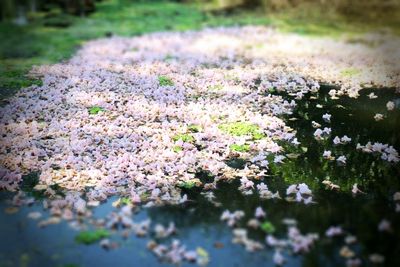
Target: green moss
{"type": "Point", "coordinates": [29, 181]}
{"type": "Point", "coordinates": [240, 148]}
{"type": "Point", "coordinates": [144, 196]}
{"type": "Point", "coordinates": [95, 110]}
{"type": "Point", "coordinates": [177, 149]}
{"type": "Point", "coordinates": [187, 138]}
{"type": "Point", "coordinates": [242, 129]}
{"type": "Point", "coordinates": [349, 72]}
{"type": "Point", "coordinates": [90, 237]}
{"type": "Point", "coordinates": [169, 57]}
{"type": "Point", "coordinates": [125, 201]}
{"type": "Point", "coordinates": [189, 184]}
{"type": "Point", "coordinates": [24, 260]}
{"type": "Point", "coordinates": [216, 87]}
{"type": "Point", "coordinates": [268, 227]}
{"type": "Point", "coordinates": [165, 81]}
{"type": "Point", "coordinates": [258, 135]}
{"type": "Point", "coordinates": [194, 128]}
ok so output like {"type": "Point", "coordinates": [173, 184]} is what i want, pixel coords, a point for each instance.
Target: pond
{"type": "Point", "coordinates": [367, 223]}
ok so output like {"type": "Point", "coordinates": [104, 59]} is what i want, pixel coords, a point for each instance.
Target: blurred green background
{"type": "Point", "coordinates": [35, 32]}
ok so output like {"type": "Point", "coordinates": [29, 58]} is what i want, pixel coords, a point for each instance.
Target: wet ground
{"type": "Point", "coordinates": [198, 220]}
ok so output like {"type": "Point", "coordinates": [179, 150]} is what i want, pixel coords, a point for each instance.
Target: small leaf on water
{"type": "Point", "coordinates": [202, 252]}
{"type": "Point", "coordinates": [340, 106]}
{"type": "Point", "coordinates": [11, 210]}
{"type": "Point", "coordinates": [90, 237]}
{"type": "Point", "coordinates": [203, 257]}
{"type": "Point", "coordinates": [292, 155]}
{"type": "Point", "coordinates": [268, 227]}
{"type": "Point", "coordinates": [218, 244]}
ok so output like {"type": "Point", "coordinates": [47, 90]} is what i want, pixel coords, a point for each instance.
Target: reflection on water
{"type": "Point", "coordinates": [198, 220]}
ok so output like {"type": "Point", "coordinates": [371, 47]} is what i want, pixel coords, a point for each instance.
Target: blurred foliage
{"type": "Point", "coordinates": [14, 8]}
{"type": "Point", "coordinates": [319, 16]}
{"type": "Point", "coordinates": [355, 9]}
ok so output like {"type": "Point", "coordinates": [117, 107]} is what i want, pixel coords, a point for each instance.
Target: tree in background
{"type": "Point", "coordinates": [16, 9]}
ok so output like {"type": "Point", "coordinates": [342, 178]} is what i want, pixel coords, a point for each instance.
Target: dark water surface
{"type": "Point", "coordinates": [198, 221]}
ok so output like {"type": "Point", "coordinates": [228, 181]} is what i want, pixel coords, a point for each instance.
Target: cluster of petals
{"type": "Point", "coordinates": [387, 152]}
{"type": "Point", "coordinates": [301, 193]}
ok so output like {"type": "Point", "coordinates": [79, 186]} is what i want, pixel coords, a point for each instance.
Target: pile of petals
{"type": "Point", "coordinates": [119, 117]}
{"type": "Point", "coordinates": [299, 193]}
{"type": "Point", "coordinates": [110, 119]}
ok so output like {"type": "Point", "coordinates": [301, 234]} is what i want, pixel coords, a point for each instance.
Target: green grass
{"type": "Point", "coordinates": [22, 47]}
